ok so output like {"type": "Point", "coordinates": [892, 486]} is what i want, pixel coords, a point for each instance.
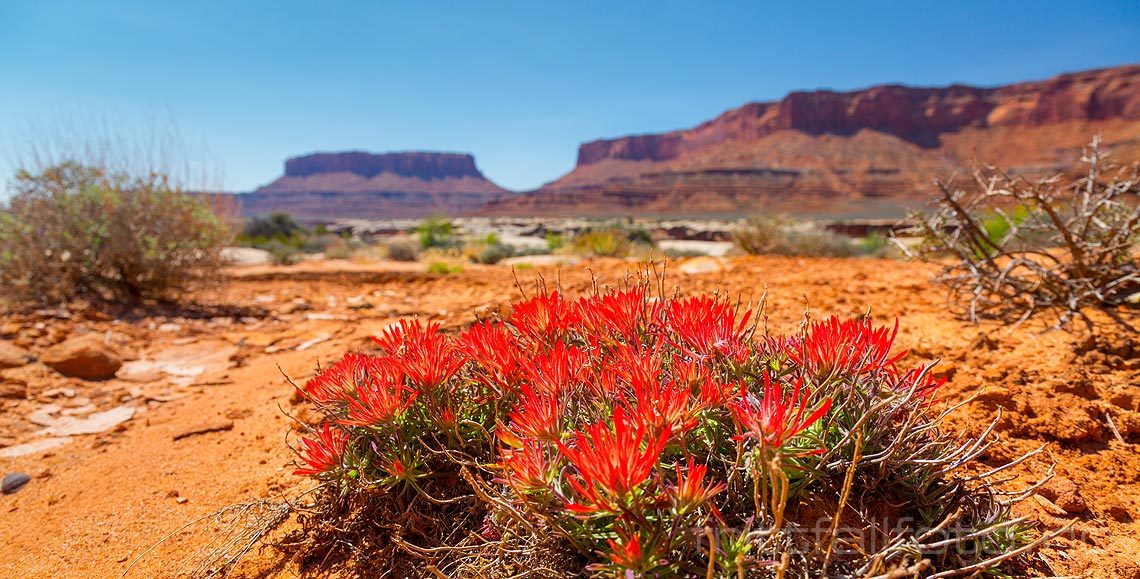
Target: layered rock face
{"type": "Point", "coordinates": [867, 153]}
{"type": "Point", "coordinates": [327, 186]}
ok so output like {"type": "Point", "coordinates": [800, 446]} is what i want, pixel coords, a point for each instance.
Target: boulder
{"type": "Point", "coordinates": [13, 356]}
{"type": "Point", "coordinates": [246, 256]}
{"type": "Point", "coordinates": [87, 357]}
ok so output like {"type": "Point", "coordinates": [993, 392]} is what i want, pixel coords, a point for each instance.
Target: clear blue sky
{"type": "Point", "coordinates": [518, 84]}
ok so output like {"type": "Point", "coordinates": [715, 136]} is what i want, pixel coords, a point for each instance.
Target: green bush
{"type": "Point", "coordinates": [277, 226]}
{"type": "Point", "coordinates": [555, 241]}
{"type": "Point", "coordinates": [282, 253]}
{"type": "Point", "coordinates": [443, 268]}
{"type": "Point", "coordinates": [436, 232]}
{"type": "Point", "coordinates": [75, 230]}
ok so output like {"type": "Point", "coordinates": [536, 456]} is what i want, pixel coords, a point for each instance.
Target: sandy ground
{"type": "Point", "coordinates": [97, 502]}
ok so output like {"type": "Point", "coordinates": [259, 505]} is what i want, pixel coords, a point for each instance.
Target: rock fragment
{"type": "Point", "coordinates": [13, 482]}
{"type": "Point", "coordinates": [1065, 494]}
{"type": "Point", "coordinates": [13, 356]}
{"type": "Point", "coordinates": [87, 357]}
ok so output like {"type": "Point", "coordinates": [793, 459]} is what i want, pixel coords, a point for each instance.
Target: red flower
{"type": "Point", "coordinates": [638, 554]}
{"type": "Point", "coordinates": [691, 491]}
{"type": "Point", "coordinates": [775, 419]}
{"type": "Point", "coordinates": [626, 314]}
{"type": "Point", "coordinates": [660, 404]}
{"type": "Point", "coordinates": [537, 414]}
{"type": "Point", "coordinates": [710, 392]}
{"type": "Point", "coordinates": [381, 398]}
{"type": "Point", "coordinates": [840, 348]}
{"type": "Point", "coordinates": [423, 354]}
{"type": "Point", "coordinates": [708, 327]}
{"type": "Point", "coordinates": [544, 317]}
{"type": "Point", "coordinates": [560, 370]}
{"type": "Point", "coordinates": [626, 552]}
{"type": "Point", "coordinates": [325, 452]}
{"type": "Point", "coordinates": [527, 468]}
{"type": "Point", "coordinates": [494, 351]}
{"type": "Point", "coordinates": [611, 465]}
{"type": "Point", "coordinates": [337, 383]}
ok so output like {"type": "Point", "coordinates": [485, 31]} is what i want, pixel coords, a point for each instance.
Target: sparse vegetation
{"type": "Point", "coordinates": [1023, 246]}
{"type": "Point", "coordinates": [489, 250]}
{"type": "Point", "coordinates": [282, 253]}
{"type": "Point", "coordinates": [81, 231]}
{"type": "Point", "coordinates": [555, 241]}
{"type": "Point", "coordinates": [602, 242]}
{"type": "Point", "coordinates": [402, 250]}
{"type": "Point", "coordinates": [444, 268]}
{"type": "Point", "coordinates": [276, 226]}
{"type": "Point", "coordinates": [781, 236]}
{"type": "Point", "coordinates": [436, 232]}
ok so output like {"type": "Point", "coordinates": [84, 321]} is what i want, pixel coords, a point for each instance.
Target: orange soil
{"type": "Point", "coordinates": [96, 505]}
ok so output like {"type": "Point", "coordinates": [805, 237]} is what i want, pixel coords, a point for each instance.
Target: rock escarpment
{"type": "Point", "coordinates": [866, 152]}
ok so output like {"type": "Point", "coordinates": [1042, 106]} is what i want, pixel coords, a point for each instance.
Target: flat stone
{"type": "Point", "coordinates": [246, 256]}
{"type": "Point", "coordinates": [702, 265]}
{"type": "Point", "coordinates": [33, 447]}
{"type": "Point", "coordinates": [92, 424]}
{"type": "Point", "coordinates": [184, 364]}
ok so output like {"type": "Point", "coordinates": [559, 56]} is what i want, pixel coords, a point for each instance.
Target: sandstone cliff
{"type": "Point", "coordinates": [867, 152]}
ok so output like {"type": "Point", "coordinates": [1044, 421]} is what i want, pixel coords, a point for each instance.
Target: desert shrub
{"type": "Point", "coordinates": [332, 246]}
{"type": "Point", "coordinates": [444, 268]}
{"type": "Point", "coordinates": [555, 241]}
{"type": "Point", "coordinates": [780, 236]}
{"type": "Point", "coordinates": [489, 250]}
{"type": "Point", "coordinates": [758, 235]}
{"type": "Point", "coordinates": [403, 251]}
{"type": "Point", "coordinates": [630, 435]}
{"type": "Point", "coordinates": [436, 232]}
{"type": "Point", "coordinates": [276, 226]}
{"type": "Point", "coordinates": [490, 254]}
{"type": "Point", "coordinates": [282, 252]}
{"type": "Point", "coordinates": [1021, 246]}
{"type": "Point", "coordinates": [75, 230]}
{"type": "Point", "coordinates": [602, 243]}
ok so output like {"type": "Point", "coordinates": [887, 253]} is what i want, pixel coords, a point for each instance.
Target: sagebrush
{"type": "Point", "coordinates": [79, 231]}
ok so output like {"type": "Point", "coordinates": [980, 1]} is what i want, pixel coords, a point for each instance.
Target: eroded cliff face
{"type": "Point", "coordinates": [846, 152]}
{"type": "Point", "coordinates": [918, 115]}
{"type": "Point", "coordinates": [350, 185]}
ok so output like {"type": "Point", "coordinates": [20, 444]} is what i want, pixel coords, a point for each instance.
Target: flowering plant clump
{"type": "Point", "coordinates": [623, 434]}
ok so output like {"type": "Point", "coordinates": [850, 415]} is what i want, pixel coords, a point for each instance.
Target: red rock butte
{"type": "Point", "coordinates": [325, 186]}
{"type": "Point", "coordinates": [863, 153]}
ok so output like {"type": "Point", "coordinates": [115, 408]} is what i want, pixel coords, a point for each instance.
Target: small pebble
{"type": "Point", "coordinates": [14, 482]}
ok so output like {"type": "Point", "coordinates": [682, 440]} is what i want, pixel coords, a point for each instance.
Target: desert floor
{"type": "Point", "coordinates": [210, 400]}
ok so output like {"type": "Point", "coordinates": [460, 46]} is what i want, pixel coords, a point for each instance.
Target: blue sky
{"type": "Point", "coordinates": [518, 84]}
